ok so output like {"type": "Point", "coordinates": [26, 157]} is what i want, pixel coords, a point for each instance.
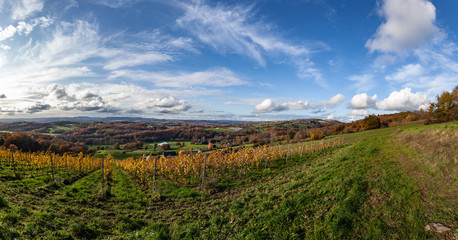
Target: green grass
{"type": "Point", "coordinates": [381, 184]}
{"type": "Point", "coordinates": [122, 154]}
{"type": "Point", "coordinates": [84, 188]}
{"type": "Point", "coordinates": [124, 189]}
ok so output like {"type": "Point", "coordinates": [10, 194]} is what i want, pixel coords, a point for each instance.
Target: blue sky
{"type": "Point", "coordinates": [231, 60]}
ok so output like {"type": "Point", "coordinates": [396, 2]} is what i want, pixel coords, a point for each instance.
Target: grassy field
{"type": "Point", "coordinates": [122, 154]}
{"type": "Point", "coordinates": [382, 184]}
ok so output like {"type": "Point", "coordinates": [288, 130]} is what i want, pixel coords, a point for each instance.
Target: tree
{"type": "Point", "coordinates": [445, 107]}
{"type": "Point", "coordinates": [371, 122]}
{"type": "Point", "coordinates": [316, 134]}
{"type": "Point", "coordinates": [139, 144]}
{"type": "Point", "coordinates": [23, 141]}
{"type": "Point", "coordinates": [454, 110]}
{"type": "Point", "coordinates": [116, 146]}
{"type": "Point", "coordinates": [291, 134]}
{"type": "Point", "coordinates": [165, 147]}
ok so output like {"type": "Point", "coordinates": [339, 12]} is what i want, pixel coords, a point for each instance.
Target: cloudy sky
{"type": "Point", "coordinates": [237, 60]}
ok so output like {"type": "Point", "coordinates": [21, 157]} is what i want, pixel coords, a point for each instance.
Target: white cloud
{"type": "Point", "coordinates": [363, 83]}
{"type": "Point", "coordinates": [5, 47]}
{"type": "Point", "coordinates": [182, 43]}
{"type": "Point", "coordinates": [7, 32]}
{"type": "Point", "coordinates": [102, 98]}
{"type": "Point", "coordinates": [21, 9]}
{"type": "Point", "coordinates": [69, 4]}
{"type": "Point", "coordinates": [233, 30]}
{"type": "Point", "coordinates": [404, 100]}
{"type": "Point", "coordinates": [359, 112]}
{"type": "Point", "coordinates": [74, 51]}
{"type": "Point", "coordinates": [297, 105]}
{"type": "Point", "coordinates": [23, 28]}
{"type": "Point", "coordinates": [336, 100]}
{"type": "Point", "coordinates": [145, 48]}
{"type": "Point", "coordinates": [127, 59]}
{"type": "Point", "coordinates": [57, 57]}
{"type": "Point", "coordinates": [271, 105]}
{"type": "Point", "coordinates": [409, 23]}
{"type": "Point", "coordinates": [330, 117]}
{"type": "Point", "coordinates": [115, 3]}
{"type": "Point", "coordinates": [409, 72]}
{"type": "Point", "coordinates": [163, 102]}
{"type": "Point", "coordinates": [268, 105]}
{"type": "Point", "coordinates": [436, 71]}
{"type": "Point", "coordinates": [217, 77]}
{"type": "Point", "coordinates": [363, 101]}
{"type": "Point", "coordinates": [67, 98]}
{"type": "Point", "coordinates": [72, 43]}
{"type": "Point", "coordinates": [93, 105]}
{"type": "Point", "coordinates": [167, 105]}
{"type": "Point", "coordinates": [37, 107]}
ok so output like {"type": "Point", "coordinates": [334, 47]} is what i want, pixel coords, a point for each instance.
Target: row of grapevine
{"type": "Point", "coordinates": [187, 168]}
{"type": "Point", "coordinates": [50, 163]}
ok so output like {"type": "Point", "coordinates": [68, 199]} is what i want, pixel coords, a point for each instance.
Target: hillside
{"type": "Point", "coordinates": [390, 183]}
{"type": "Point", "coordinates": [90, 137]}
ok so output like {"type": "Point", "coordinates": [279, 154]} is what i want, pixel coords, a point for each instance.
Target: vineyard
{"type": "Point", "coordinates": [32, 164]}
{"type": "Point", "coordinates": [382, 184]}
{"type": "Point", "coordinates": [186, 168]}
{"type": "Point", "coordinates": [190, 169]}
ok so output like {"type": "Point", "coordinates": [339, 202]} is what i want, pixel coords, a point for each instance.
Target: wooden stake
{"type": "Point", "coordinates": [241, 166]}
{"type": "Point", "coordinates": [203, 170]}
{"type": "Point", "coordinates": [103, 171]}
{"type": "Point", "coordinates": [154, 174]}
{"type": "Point", "coordinates": [14, 165]}
{"type": "Point", "coordinates": [265, 164]}
{"type": "Point", "coordinates": [52, 168]}
{"type": "Point", "coordinates": [287, 153]}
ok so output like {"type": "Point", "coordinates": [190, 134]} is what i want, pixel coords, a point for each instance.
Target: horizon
{"type": "Point", "coordinates": [224, 61]}
{"type": "Point", "coordinates": [96, 119]}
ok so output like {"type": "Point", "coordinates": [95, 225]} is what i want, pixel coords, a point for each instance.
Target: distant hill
{"type": "Point", "coordinates": [113, 119]}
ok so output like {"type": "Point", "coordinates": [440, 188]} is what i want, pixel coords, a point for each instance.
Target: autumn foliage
{"type": "Point", "coordinates": [187, 168]}
{"type": "Point", "coordinates": [445, 108]}
{"type": "Point", "coordinates": [32, 142]}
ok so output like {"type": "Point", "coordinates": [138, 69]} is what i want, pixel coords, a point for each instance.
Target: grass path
{"type": "Point", "coordinates": [124, 189]}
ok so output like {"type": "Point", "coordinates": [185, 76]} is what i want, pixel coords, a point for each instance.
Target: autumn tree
{"type": "Point", "coordinates": [316, 134]}
{"type": "Point", "coordinates": [371, 122]}
{"type": "Point", "coordinates": [116, 146]}
{"type": "Point", "coordinates": [445, 107]}
{"type": "Point", "coordinates": [165, 147]}
{"type": "Point", "coordinates": [23, 141]}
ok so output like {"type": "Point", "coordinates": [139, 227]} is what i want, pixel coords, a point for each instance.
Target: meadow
{"type": "Point", "coordinates": [389, 183]}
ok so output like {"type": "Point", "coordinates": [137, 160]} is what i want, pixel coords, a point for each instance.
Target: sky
{"type": "Point", "coordinates": [225, 60]}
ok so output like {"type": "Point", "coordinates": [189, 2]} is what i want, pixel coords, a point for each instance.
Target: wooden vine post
{"type": "Point", "coordinates": [14, 165]}
{"type": "Point", "coordinates": [52, 168]}
{"type": "Point", "coordinates": [203, 170]}
{"type": "Point", "coordinates": [154, 175]}
{"type": "Point", "coordinates": [243, 160]}
{"type": "Point", "coordinates": [103, 171]}
{"type": "Point", "coordinates": [265, 162]}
